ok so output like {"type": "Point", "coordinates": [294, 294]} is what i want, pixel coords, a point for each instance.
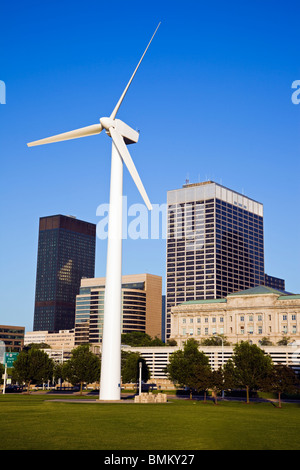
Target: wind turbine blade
{"type": "Point", "coordinates": [82, 132]}
{"type": "Point", "coordinates": [113, 114]}
{"type": "Point", "coordinates": [123, 151]}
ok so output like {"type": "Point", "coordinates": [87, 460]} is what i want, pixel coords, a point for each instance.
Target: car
{"type": "Point", "coordinates": [13, 389]}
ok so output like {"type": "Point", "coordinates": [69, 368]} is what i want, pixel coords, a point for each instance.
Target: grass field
{"type": "Point", "coordinates": [39, 423]}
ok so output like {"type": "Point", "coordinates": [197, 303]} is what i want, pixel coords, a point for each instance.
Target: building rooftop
{"type": "Point", "coordinates": [211, 190]}
{"type": "Point", "coordinates": [258, 290]}
{"type": "Point", "coordinates": [190, 185]}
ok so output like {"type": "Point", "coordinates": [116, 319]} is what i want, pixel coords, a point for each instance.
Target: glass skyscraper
{"type": "Point", "coordinates": [66, 254]}
{"type": "Point", "coordinates": [141, 307]}
{"type": "Point", "coordinates": [215, 244]}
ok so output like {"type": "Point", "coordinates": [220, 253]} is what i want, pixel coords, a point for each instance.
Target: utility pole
{"type": "Point", "coordinates": [140, 378]}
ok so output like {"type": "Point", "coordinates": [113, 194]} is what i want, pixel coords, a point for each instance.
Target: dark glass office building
{"type": "Point", "coordinates": [66, 254]}
{"type": "Point", "coordinates": [215, 244]}
{"type": "Point", "coordinates": [274, 282]}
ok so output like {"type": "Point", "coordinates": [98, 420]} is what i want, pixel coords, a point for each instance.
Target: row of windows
{"type": "Point", "coordinates": [14, 331]}
{"type": "Point", "coordinates": [220, 226]}
{"type": "Point", "coordinates": [190, 210]}
{"type": "Point", "coordinates": [227, 277]}
{"type": "Point", "coordinates": [196, 250]}
{"type": "Point", "coordinates": [249, 318]}
{"type": "Point", "coordinates": [198, 320]}
{"type": "Point", "coordinates": [242, 331]}
{"type": "Point", "coordinates": [198, 331]}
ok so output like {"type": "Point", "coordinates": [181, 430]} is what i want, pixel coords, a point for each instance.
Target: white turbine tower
{"type": "Point", "coordinates": [122, 135]}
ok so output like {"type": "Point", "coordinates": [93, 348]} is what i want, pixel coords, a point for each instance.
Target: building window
{"type": "Point", "coordinates": [191, 320]}
{"type": "Point", "coordinates": [184, 320]}
{"type": "Point", "coordinates": [259, 330]}
{"type": "Point", "coordinates": [198, 320]}
{"type": "Point", "coordinates": [184, 331]}
{"type": "Point", "coordinates": [198, 331]}
{"type": "Point", "coordinates": [206, 320]}
{"type": "Point", "coordinates": [242, 330]}
{"type": "Point", "coordinates": [242, 318]}
{"type": "Point", "coordinates": [206, 331]}
{"type": "Point", "coordinates": [259, 318]}
{"type": "Point", "coordinates": [191, 331]}
{"type": "Point", "coordinates": [251, 318]}
{"type": "Point", "coordinates": [214, 320]}
{"type": "Point", "coordinates": [294, 329]}
{"type": "Point", "coordinates": [284, 317]}
{"type": "Point", "coordinates": [294, 317]}
{"type": "Point", "coordinates": [221, 319]}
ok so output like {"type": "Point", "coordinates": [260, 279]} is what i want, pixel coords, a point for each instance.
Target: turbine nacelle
{"type": "Point", "coordinates": [107, 122]}
{"type": "Point", "coordinates": [129, 135]}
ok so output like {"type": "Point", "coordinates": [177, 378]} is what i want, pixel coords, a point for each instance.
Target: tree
{"type": "Point", "coordinates": [82, 367]}
{"type": "Point", "coordinates": [281, 379]}
{"type": "Point", "coordinates": [228, 375]}
{"type": "Point", "coordinates": [138, 338]}
{"type": "Point", "coordinates": [2, 370]}
{"type": "Point", "coordinates": [249, 365]}
{"type": "Point", "coordinates": [171, 342]}
{"type": "Point", "coordinates": [58, 372]}
{"type": "Point", "coordinates": [130, 367]}
{"type": "Point", "coordinates": [36, 346]}
{"type": "Point", "coordinates": [284, 341]}
{"type": "Point", "coordinates": [157, 342]}
{"type": "Point", "coordinates": [217, 382]}
{"type": "Point", "coordinates": [183, 367]}
{"type": "Point", "coordinates": [266, 342]}
{"type": "Point", "coordinates": [202, 378]}
{"type": "Point", "coordinates": [214, 341]}
{"type": "Point", "coordinates": [32, 367]}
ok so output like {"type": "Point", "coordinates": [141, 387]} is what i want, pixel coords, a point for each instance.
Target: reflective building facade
{"type": "Point", "coordinates": [66, 254]}
{"type": "Point", "coordinates": [141, 307]}
{"type": "Point", "coordinates": [215, 244]}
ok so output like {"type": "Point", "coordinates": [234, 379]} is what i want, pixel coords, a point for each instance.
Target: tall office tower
{"type": "Point", "coordinates": [275, 282]}
{"type": "Point", "coordinates": [215, 244]}
{"type": "Point", "coordinates": [141, 307]}
{"type": "Point", "coordinates": [66, 254]}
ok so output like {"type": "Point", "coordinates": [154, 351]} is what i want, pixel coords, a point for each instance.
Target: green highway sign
{"type": "Point", "coordinates": [10, 358]}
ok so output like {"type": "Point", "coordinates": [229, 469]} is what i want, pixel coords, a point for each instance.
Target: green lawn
{"type": "Point", "coordinates": [38, 422]}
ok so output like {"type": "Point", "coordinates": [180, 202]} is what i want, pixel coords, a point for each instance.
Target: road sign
{"type": "Point", "coordinates": [10, 358]}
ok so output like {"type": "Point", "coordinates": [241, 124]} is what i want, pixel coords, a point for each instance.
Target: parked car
{"type": "Point", "coordinates": [13, 389]}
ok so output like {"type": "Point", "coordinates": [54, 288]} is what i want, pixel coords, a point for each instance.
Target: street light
{"type": "Point", "coordinates": [5, 378]}
{"type": "Point", "coordinates": [140, 378]}
{"type": "Point", "coordinates": [216, 336]}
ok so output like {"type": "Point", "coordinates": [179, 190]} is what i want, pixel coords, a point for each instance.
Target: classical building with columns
{"type": "Point", "coordinates": [251, 315]}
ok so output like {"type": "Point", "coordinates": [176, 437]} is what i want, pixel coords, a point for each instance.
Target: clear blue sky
{"type": "Point", "coordinates": [212, 100]}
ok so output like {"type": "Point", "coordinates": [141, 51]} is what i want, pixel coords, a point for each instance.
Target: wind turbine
{"type": "Point", "coordinates": [121, 135]}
